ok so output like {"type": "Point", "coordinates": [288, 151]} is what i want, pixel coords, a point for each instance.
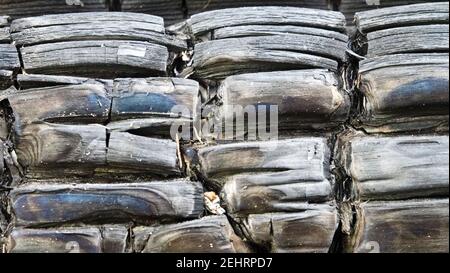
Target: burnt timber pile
{"type": "Point", "coordinates": [90, 164]}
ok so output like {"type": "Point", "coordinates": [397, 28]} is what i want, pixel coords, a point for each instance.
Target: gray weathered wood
{"type": "Point", "coordinates": [274, 192]}
{"type": "Point", "coordinates": [29, 81]}
{"type": "Point", "coordinates": [197, 6]}
{"type": "Point", "coordinates": [40, 205]}
{"type": "Point", "coordinates": [102, 59]}
{"type": "Point", "coordinates": [93, 26]}
{"type": "Point", "coordinates": [403, 167]}
{"type": "Point", "coordinates": [129, 153]}
{"type": "Point", "coordinates": [419, 14]}
{"type": "Point", "coordinates": [211, 20]}
{"type": "Point", "coordinates": [115, 239]}
{"type": "Point", "coordinates": [55, 150]}
{"type": "Point", "coordinates": [405, 227]}
{"type": "Point", "coordinates": [152, 127]}
{"type": "Point", "coordinates": [6, 78]}
{"type": "Point", "coordinates": [211, 234]}
{"type": "Point", "coordinates": [84, 103]}
{"type": "Point", "coordinates": [173, 11]}
{"type": "Point", "coordinates": [405, 92]}
{"type": "Point", "coordinates": [266, 30]}
{"type": "Point", "coordinates": [27, 8]}
{"type": "Point", "coordinates": [103, 239]}
{"type": "Point", "coordinates": [310, 231]}
{"type": "Point", "coordinates": [153, 97]}
{"type": "Point", "coordinates": [309, 99]}
{"type": "Point", "coordinates": [221, 58]}
{"type": "Point", "coordinates": [5, 36]}
{"type": "Point", "coordinates": [217, 163]}
{"type": "Point", "coordinates": [4, 20]}
{"type": "Point", "coordinates": [63, 240]}
{"type": "Point", "coordinates": [9, 58]}
{"type": "Point", "coordinates": [350, 7]}
{"type": "Point", "coordinates": [410, 39]}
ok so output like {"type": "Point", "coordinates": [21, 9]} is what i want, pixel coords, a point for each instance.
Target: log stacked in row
{"type": "Point", "coordinates": [9, 58]}
{"type": "Point", "coordinates": [280, 193]}
{"type": "Point", "coordinates": [350, 7]}
{"type": "Point", "coordinates": [399, 187]}
{"type": "Point", "coordinates": [396, 178]}
{"type": "Point", "coordinates": [404, 76]}
{"type": "Point", "coordinates": [28, 8]}
{"type": "Point", "coordinates": [95, 169]}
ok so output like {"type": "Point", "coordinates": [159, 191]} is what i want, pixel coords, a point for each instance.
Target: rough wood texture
{"type": "Point", "coordinates": [128, 153]}
{"type": "Point", "coordinates": [5, 37]}
{"type": "Point", "coordinates": [102, 59]}
{"type": "Point", "coordinates": [93, 26]}
{"type": "Point", "coordinates": [310, 231]}
{"type": "Point", "coordinates": [405, 92]}
{"type": "Point", "coordinates": [172, 10]}
{"type": "Point", "coordinates": [4, 20]}
{"type": "Point", "coordinates": [211, 20]}
{"type": "Point", "coordinates": [9, 58]}
{"type": "Point", "coordinates": [267, 30]}
{"type": "Point", "coordinates": [306, 99]}
{"type": "Point", "coordinates": [153, 97]}
{"type": "Point", "coordinates": [405, 227]}
{"type": "Point", "coordinates": [385, 168]}
{"type": "Point", "coordinates": [55, 150]}
{"type": "Point", "coordinates": [197, 6]}
{"type": "Point", "coordinates": [27, 8]}
{"type": "Point", "coordinates": [52, 204]}
{"type": "Point", "coordinates": [152, 127]}
{"type": "Point", "coordinates": [420, 14]}
{"type": "Point", "coordinates": [29, 81]}
{"type": "Point", "coordinates": [276, 160]}
{"type": "Point", "coordinates": [221, 58]}
{"type": "Point", "coordinates": [105, 239]}
{"type": "Point", "coordinates": [350, 7]}
{"type": "Point", "coordinates": [84, 103]}
{"type": "Point", "coordinates": [411, 39]}
{"type": "Point", "coordinates": [207, 235]}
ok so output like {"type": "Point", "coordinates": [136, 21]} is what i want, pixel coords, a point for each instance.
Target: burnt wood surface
{"type": "Point", "coordinates": [102, 59]}
{"type": "Point", "coordinates": [40, 205]}
{"type": "Point", "coordinates": [403, 167]}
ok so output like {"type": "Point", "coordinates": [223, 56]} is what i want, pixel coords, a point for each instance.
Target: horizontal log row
{"type": "Point", "coordinates": [401, 167]}
{"type": "Point", "coordinates": [270, 176]}
{"type": "Point", "coordinates": [95, 44]}
{"type": "Point", "coordinates": [47, 205]}
{"type": "Point", "coordinates": [27, 8]}
{"type": "Point", "coordinates": [72, 100]}
{"type": "Point", "coordinates": [60, 152]}
{"type": "Point", "coordinates": [404, 77]}
{"type": "Point", "coordinates": [257, 39]}
{"type": "Point", "coordinates": [309, 231]}
{"type": "Point", "coordinates": [305, 100]}
{"type": "Point", "coordinates": [210, 234]}
{"type": "Point", "coordinates": [350, 7]}
{"type": "Point", "coordinates": [398, 226]}
{"type": "Point", "coordinates": [408, 226]}
{"type": "Point", "coordinates": [198, 6]}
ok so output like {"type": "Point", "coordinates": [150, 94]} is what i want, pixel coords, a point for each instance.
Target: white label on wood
{"type": "Point", "coordinates": [128, 50]}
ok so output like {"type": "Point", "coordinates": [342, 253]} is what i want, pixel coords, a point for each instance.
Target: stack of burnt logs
{"type": "Point", "coordinates": [396, 165]}
{"type": "Point", "coordinates": [115, 132]}
{"type": "Point", "coordinates": [92, 157]}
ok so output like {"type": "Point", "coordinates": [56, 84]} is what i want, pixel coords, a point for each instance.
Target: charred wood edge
{"type": "Point", "coordinates": [348, 207]}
